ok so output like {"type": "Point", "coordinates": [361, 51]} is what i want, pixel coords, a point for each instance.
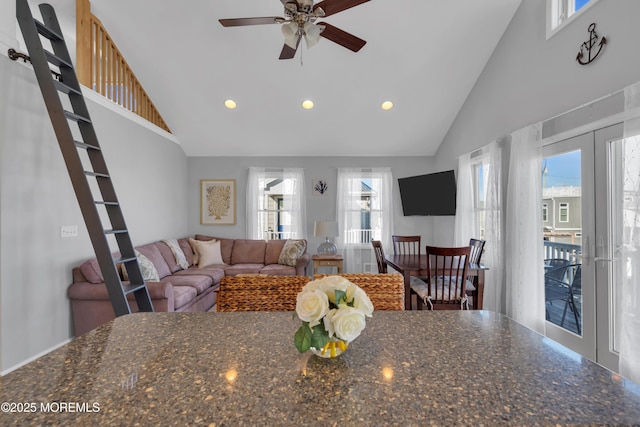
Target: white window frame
{"type": "Point", "coordinates": [563, 206]}
{"type": "Point", "coordinates": [545, 212]}
{"type": "Point", "coordinates": [555, 22]}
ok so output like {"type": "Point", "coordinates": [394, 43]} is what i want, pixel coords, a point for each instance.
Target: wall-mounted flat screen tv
{"type": "Point", "coordinates": [433, 194]}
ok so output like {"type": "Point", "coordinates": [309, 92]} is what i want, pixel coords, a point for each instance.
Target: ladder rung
{"type": "Point", "coordinates": [75, 117]}
{"type": "Point", "coordinates": [129, 289]}
{"type": "Point", "coordinates": [55, 60]}
{"type": "Point", "coordinates": [100, 202]}
{"type": "Point", "coordinates": [86, 146]}
{"type": "Point", "coordinates": [64, 88]}
{"type": "Point", "coordinates": [96, 174]}
{"type": "Point", "coordinates": [115, 231]}
{"type": "Point", "coordinates": [123, 260]}
{"type": "Point", "coordinates": [46, 31]}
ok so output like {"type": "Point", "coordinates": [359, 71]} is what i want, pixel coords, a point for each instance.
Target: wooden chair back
{"type": "Point", "coordinates": [447, 278]}
{"type": "Point", "coordinates": [406, 245]}
{"type": "Point", "coordinates": [382, 263]}
{"type": "Point", "coordinates": [477, 246]}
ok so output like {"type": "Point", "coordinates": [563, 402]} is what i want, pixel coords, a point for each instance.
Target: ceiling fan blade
{"type": "Point", "coordinates": [331, 7]}
{"type": "Point", "coordinates": [341, 37]}
{"type": "Point", "coordinates": [288, 52]}
{"type": "Point", "coordinates": [238, 22]}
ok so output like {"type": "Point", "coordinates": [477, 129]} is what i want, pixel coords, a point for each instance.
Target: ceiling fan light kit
{"type": "Point", "coordinates": [299, 21]}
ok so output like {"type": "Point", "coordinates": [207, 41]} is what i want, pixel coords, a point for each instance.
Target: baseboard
{"type": "Point", "coordinates": [37, 356]}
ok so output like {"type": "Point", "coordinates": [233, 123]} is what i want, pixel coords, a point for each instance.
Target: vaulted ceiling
{"type": "Point", "coordinates": [423, 55]}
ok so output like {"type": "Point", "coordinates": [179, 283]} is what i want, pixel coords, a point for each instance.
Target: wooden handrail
{"type": "Point", "coordinates": [100, 66]}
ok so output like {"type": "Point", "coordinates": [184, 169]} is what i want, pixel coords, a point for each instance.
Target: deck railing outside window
{"type": "Point", "coordinates": [101, 67]}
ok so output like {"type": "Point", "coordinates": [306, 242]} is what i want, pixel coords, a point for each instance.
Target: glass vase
{"type": "Point", "coordinates": [334, 348]}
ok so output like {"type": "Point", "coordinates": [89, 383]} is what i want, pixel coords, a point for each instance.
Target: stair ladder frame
{"type": "Point", "coordinates": [32, 29]}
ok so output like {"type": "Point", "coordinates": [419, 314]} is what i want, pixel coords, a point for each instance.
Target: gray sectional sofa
{"type": "Point", "coordinates": [179, 289]}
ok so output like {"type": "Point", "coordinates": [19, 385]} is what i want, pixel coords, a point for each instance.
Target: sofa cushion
{"type": "Point", "coordinates": [235, 269]}
{"type": "Point", "coordinates": [186, 249]}
{"type": "Point", "coordinates": [226, 246]}
{"type": "Point", "coordinates": [173, 254]}
{"type": "Point", "coordinates": [207, 252]}
{"type": "Point", "coordinates": [278, 270]}
{"type": "Point", "coordinates": [247, 251]}
{"type": "Point", "coordinates": [216, 273]}
{"type": "Point", "coordinates": [183, 295]}
{"type": "Point", "coordinates": [292, 250]}
{"type": "Point", "coordinates": [152, 252]}
{"type": "Point", "coordinates": [272, 253]}
{"type": "Point", "coordinates": [91, 271]}
{"type": "Point", "coordinates": [198, 282]}
{"type": "Point", "coordinates": [147, 268]}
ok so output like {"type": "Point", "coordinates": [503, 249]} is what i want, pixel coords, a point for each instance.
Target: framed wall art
{"type": "Point", "coordinates": [218, 201]}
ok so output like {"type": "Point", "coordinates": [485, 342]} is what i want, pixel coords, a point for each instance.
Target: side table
{"type": "Point", "coordinates": [327, 261]}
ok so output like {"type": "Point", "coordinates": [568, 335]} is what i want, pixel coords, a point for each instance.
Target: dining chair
{"type": "Point", "coordinates": [446, 280]}
{"type": "Point", "coordinates": [477, 248]}
{"type": "Point", "coordinates": [382, 263]}
{"type": "Point", "coordinates": [406, 245]}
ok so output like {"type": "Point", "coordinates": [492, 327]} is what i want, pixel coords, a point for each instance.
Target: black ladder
{"type": "Point", "coordinates": [83, 156]}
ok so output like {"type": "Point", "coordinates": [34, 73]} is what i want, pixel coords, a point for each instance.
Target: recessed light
{"type": "Point", "coordinates": [230, 104]}
{"type": "Point", "coordinates": [386, 105]}
{"type": "Point", "coordinates": [307, 104]}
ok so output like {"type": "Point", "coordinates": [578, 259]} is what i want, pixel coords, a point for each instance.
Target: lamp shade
{"type": "Point", "coordinates": [325, 229]}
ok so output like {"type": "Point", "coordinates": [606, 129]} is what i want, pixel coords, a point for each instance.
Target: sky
{"type": "Point", "coordinates": [562, 170]}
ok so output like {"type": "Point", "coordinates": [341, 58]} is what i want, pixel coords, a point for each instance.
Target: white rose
{"type": "Point", "coordinates": [362, 302]}
{"type": "Point", "coordinates": [311, 286]}
{"type": "Point", "coordinates": [312, 306]}
{"type": "Point", "coordinates": [348, 322]}
{"type": "Point", "coordinates": [330, 284]}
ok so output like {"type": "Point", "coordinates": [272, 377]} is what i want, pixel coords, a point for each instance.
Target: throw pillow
{"type": "Point", "coordinates": [207, 252]}
{"type": "Point", "coordinates": [291, 251]}
{"type": "Point", "coordinates": [149, 271]}
{"type": "Point", "coordinates": [179, 256]}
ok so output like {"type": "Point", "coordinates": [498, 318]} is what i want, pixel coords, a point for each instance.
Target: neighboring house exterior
{"type": "Point", "coordinates": [562, 214]}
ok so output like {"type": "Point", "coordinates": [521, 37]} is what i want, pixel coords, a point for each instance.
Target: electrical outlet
{"type": "Point", "coordinates": [69, 231]}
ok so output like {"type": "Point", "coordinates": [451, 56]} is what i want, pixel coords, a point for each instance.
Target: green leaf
{"type": "Point", "coordinates": [302, 338]}
{"type": "Point", "coordinates": [319, 337]}
{"type": "Point", "coordinates": [340, 296]}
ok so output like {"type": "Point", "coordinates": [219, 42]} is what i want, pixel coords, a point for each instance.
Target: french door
{"type": "Point", "coordinates": [580, 208]}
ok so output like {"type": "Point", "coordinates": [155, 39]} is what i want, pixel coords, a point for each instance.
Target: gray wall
{"type": "Point", "coordinates": [529, 79]}
{"type": "Point", "coordinates": [36, 199]}
{"type": "Point", "coordinates": [318, 207]}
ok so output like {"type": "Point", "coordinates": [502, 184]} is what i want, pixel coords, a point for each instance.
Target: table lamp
{"type": "Point", "coordinates": [326, 229]}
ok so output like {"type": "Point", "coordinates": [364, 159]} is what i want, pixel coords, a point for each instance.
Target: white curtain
{"type": "Point", "coordinates": [471, 215]}
{"type": "Point", "coordinates": [523, 258]}
{"type": "Point", "coordinates": [364, 213]}
{"type": "Point", "coordinates": [627, 259]}
{"type": "Point", "coordinates": [289, 185]}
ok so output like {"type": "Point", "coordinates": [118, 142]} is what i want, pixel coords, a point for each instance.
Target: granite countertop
{"type": "Point", "coordinates": [227, 369]}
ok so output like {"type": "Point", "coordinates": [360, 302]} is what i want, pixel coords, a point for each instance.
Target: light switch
{"type": "Point", "coordinates": [69, 231]}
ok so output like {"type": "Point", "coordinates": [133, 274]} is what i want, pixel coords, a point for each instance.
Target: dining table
{"type": "Point", "coordinates": [406, 368]}
{"type": "Point", "coordinates": [416, 265]}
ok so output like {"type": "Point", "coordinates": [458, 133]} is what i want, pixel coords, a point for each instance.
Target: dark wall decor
{"type": "Point", "coordinates": [591, 47]}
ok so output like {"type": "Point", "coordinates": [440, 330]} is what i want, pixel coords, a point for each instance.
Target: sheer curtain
{"type": "Point", "coordinates": [628, 256]}
{"type": "Point", "coordinates": [523, 258]}
{"type": "Point", "coordinates": [364, 213]}
{"type": "Point", "coordinates": [472, 214]}
{"type": "Point", "coordinates": [288, 185]}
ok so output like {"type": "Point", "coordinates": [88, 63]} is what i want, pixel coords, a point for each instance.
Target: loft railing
{"type": "Point", "coordinates": [101, 67]}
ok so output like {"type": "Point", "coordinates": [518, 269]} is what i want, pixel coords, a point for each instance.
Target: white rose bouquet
{"type": "Point", "coordinates": [332, 309]}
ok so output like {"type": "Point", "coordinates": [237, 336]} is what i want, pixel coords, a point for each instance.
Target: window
{"type": "Point", "coordinates": [561, 12]}
{"type": "Point", "coordinates": [364, 214]}
{"type": "Point", "coordinates": [275, 204]}
{"type": "Point", "coordinates": [480, 171]}
{"type": "Point", "coordinates": [545, 212]}
{"type": "Point", "coordinates": [564, 212]}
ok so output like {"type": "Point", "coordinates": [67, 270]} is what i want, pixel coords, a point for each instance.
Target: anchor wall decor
{"type": "Point", "coordinates": [589, 46]}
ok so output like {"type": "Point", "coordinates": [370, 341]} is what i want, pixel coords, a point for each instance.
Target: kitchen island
{"type": "Point", "coordinates": [226, 369]}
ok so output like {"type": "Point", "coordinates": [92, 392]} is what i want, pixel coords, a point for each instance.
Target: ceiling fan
{"type": "Point", "coordinates": [299, 21]}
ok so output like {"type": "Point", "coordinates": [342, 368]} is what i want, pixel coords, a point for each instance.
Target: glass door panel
{"type": "Point", "coordinates": [568, 223]}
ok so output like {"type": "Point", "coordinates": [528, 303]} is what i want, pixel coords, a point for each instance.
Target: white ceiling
{"type": "Point", "coordinates": [424, 55]}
